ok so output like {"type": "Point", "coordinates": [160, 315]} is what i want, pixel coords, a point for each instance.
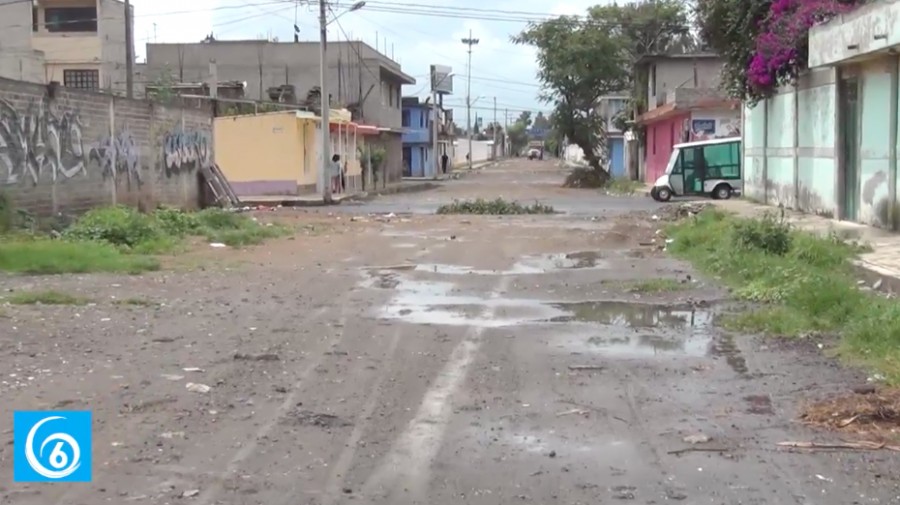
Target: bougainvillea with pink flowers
{"type": "Point", "coordinates": [782, 44]}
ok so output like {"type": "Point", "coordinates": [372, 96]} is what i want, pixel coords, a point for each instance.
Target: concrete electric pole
{"type": "Point", "coordinates": [129, 52]}
{"type": "Point", "coordinates": [494, 129]}
{"type": "Point", "coordinates": [469, 42]}
{"type": "Point", "coordinates": [325, 104]}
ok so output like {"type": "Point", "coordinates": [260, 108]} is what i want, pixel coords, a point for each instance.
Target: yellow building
{"type": "Point", "coordinates": [278, 153]}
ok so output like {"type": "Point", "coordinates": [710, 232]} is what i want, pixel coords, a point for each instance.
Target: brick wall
{"type": "Point", "coordinates": [66, 151]}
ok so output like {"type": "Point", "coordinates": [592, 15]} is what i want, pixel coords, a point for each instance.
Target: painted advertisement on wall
{"type": "Point", "coordinates": [708, 126]}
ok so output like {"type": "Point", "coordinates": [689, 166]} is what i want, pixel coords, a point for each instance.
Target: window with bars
{"type": "Point", "coordinates": [81, 79]}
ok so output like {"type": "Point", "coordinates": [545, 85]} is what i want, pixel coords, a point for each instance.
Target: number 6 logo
{"type": "Point", "coordinates": [59, 460]}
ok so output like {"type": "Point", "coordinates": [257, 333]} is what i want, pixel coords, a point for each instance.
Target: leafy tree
{"type": "Point", "coordinates": [525, 118]}
{"type": "Point", "coordinates": [518, 137]}
{"type": "Point", "coordinates": [541, 122]}
{"type": "Point", "coordinates": [764, 42]}
{"type": "Point", "coordinates": [579, 61]}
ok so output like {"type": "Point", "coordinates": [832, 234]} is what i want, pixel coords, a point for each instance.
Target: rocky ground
{"type": "Point", "coordinates": [387, 355]}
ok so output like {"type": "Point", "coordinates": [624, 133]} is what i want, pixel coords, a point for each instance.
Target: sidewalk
{"type": "Point", "coordinates": [881, 266]}
{"type": "Point", "coordinates": [316, 200]}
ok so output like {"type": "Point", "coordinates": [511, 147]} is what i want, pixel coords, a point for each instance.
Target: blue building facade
{"type": "Point", "coordinates": [616, 146]}
{"type": "Point", "coordinates": [417, 142]}
{"type": "Point", "coordinates": [611, 106]}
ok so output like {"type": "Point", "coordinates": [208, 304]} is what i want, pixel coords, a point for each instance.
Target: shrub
{"type": "Point", "coordinates": [493, 207]}
{"type": "Point", "coordinates": [770, 235]}
{"type": "Point", "coordinates": [118, 225]}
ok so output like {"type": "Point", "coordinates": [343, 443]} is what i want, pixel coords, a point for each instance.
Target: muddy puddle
{"type": "Point", "coordinates": [635, 329]}
{"type": "Point", "coordinates": [539, 264]}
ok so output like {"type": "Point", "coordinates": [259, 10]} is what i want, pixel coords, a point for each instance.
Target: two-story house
{"type": "Point", "coordinates": [360, 78]}
{"type": "Point", "coordinates": [683, 103]}
{"type": "Point", "coordinates": [79, 43]}
{"type": "Point", "coordinates": [418, 160]}
{"type": "Point", "coordinates": [418, 143]}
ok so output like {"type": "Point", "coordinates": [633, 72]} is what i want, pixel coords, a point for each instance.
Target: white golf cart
{"type": "Point", "coordinates": [705, 168]}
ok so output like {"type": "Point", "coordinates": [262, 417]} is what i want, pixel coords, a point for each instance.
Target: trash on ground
{"type": "Point", "coordinates": [217, 245]}
{"type": "Point", "coordinates": [855, 446]}
{"type": "Point", "coordinates": [197, 388]}
{"type": "Point", "coordinates": [699, 438]}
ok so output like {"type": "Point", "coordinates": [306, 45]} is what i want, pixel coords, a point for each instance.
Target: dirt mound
{"type": "Point", "coordinates": [586, 178]}
{"type": "Point", "coordinates": [873, 416]}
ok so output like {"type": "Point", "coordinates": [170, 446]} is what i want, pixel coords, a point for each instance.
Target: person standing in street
{"type": "Point", "coordinates": [336, 173]}
{"type": "Point", "coordinates": [445, 160]}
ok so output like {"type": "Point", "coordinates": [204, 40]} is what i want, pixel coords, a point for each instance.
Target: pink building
{"type": "Point", "coordinates": [683, 104]}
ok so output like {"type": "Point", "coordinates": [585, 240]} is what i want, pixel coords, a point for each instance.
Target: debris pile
{"type": "Point", "coordinates": [873, 414]}
{"type": "Point", "coordinates": [676, 212]}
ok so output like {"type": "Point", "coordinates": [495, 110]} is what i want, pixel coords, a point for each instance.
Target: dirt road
{"type": "Point", "coordinates": [422, 359]}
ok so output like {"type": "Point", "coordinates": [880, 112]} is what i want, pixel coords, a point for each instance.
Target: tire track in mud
{"type": "Point", "coordinates": [210, 494]}
{"type": "Point", "coordinates": [403, 475]}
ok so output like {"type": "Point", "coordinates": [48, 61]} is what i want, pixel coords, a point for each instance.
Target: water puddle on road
{"type": "Point", "coordinates": [635, 329]}
{"type": "Point", "coordinates": [541, 264]}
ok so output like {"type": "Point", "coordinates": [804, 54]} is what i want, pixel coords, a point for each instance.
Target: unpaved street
{"type": "Point", "coordinates": [410, 358]}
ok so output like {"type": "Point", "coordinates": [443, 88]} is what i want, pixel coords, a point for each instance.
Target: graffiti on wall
{"type": "Point", "coordinates": [118, 156]}
{"type": "Point", "coordinates": [185, 151]}
{"type": "Point", "coordinates": [39, 141]}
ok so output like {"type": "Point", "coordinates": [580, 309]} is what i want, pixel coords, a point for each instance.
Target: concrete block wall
{"type": "Point", "coordinates": [481, 151]}
{"type": "Point", "coordinates": [789, 152]}
{"type": "Point", "coordinates": [66, 151]}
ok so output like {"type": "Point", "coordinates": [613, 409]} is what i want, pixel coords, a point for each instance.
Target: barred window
{"type": "Point", "coordinates": [81, 79]}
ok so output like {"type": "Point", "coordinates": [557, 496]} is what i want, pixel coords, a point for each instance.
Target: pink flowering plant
{"type": "Point", "coordinates": [782, 45]}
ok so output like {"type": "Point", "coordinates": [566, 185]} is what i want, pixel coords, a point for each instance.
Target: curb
{"type": "Point", "coordinates": [396, 190]}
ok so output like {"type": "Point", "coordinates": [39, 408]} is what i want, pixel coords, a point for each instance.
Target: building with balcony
{"type": "Point", "coordinates": [361, 79]}
{"type": "Point", "coordinates": [418, 158]}
{"type": "Point", "coordinates": [78, 43]}
{"type": "Point", "coordinates": [684, 103]}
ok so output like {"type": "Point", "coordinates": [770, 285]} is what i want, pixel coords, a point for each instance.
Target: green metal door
{"type": "Point", "coordinates": [849, 103]}
{"type": "Point", "coordinates": [691, 163]}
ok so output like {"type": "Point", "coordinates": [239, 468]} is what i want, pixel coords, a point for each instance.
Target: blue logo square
{"type": "Point", "coordinates": [52, 446]}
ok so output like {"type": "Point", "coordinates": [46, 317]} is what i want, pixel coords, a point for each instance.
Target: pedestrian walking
{"type": "Point", "coordinates": [445, 160]}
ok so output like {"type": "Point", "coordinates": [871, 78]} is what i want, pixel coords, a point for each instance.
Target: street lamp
{"type": "Point", "coordinates": [323, 94]}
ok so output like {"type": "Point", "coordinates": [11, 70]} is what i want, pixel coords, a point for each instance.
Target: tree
{"type": "Point", "coordinates": [764, 42]}
{"type": "Point", "coordinates": [524, 118]}
{"type": "Point", "coordinates": [518, 137]}
{"type": "Point", "coordinates": [541, 122]}
{"type": "Point", "coordinates": [579, 61]}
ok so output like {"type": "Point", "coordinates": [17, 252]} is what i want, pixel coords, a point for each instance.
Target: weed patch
{"type": "Point", "coordinates": [44, 256]}
{"type": "Point", "coordinates": [136, 302]}
{"type": "Point", "coordinates": [121, 239]}
{"type": "Point", "coordinates": [657, 286]}
{"type": "Point", "coordinates": [496, 207]}
{"type": "Point", "coordinates": [623, 186]}
{"type": "Point", "coordinates": [49, 297]}
{"type": "Point", "coordinates": [804, 283]}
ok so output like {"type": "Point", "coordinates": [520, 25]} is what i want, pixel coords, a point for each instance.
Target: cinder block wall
{"type": "Point", "coordinates": [66, 151]}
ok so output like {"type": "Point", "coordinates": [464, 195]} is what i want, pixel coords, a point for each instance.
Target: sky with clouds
{"type": "Point", "coordinates": [499, 68]}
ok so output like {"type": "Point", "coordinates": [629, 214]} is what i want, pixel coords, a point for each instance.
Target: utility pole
{"type": "Point", "coordinates": [469, 42]}
{"type": "Point", "coordinates": [506, 131]}
{"type": "Point", "coordinates": [325, 104]}
{"type": "Point", "coordinates": [494, 129]}
{"type": "Point", "coordinates": [434, 130]}
{"type": "Point", "coordinates": [129, 52]}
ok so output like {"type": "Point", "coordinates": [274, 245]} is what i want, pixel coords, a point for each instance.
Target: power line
{"type": "Point", "coordinates": [504, 16]}
{"type": "Point", "coordinates": [169, 13]}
